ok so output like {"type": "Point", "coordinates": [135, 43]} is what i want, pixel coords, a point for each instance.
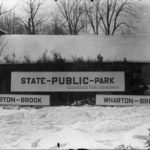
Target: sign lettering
{"type": "Point", "coordinates": [127, 100]}
{"type": "Point", "coordinates": [10, 99]}
{"type": "Point", "coordinates": [67, 81]}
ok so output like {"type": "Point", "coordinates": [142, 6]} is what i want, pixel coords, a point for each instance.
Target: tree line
{"type": "Point", "coordinates": [72, 17]}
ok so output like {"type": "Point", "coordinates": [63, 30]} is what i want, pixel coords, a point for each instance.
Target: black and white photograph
{"type": "Point", "coordinates": [74, 74]}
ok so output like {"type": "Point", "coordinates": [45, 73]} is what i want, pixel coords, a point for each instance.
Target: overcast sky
{"type": "Point", "coordinates": [13, 2]}
{"type": "Point", "coordinates": [18, 3]}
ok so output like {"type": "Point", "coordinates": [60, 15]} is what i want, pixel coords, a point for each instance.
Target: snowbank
{"type": "Point", "coordinates": [74, 127]}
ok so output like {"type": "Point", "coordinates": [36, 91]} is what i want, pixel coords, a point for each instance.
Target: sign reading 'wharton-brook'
{"type": "Point", "coordinates": [67, 81]}
{"type": "Point", "coordinates": [10, 99]}
{"type": "Point", "coordinates": [125, 100]}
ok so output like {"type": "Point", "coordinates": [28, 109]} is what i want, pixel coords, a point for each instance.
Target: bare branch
{"type": "Point", "coordinates": [72, 12]}
{"type": "Point", "coordinates": [32, 8]}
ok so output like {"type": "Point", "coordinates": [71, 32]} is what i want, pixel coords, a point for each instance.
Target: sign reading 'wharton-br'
{"type": "Point", "coordinates": [67, 81]}
{"type": "Point", "coordinates": [124, 100]}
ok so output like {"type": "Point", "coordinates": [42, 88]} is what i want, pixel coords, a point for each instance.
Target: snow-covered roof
{"type": "Point", "coordinates": [134, 48]}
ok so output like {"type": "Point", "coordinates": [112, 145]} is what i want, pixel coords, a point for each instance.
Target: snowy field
{"type": "Point", "coordinates": [74, 127]}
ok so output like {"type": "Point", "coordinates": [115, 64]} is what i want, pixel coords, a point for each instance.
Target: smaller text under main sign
{"type": "Point", "coordinates": [26, 100]}
{"type": "Point", "coordinates": [67, 81]}
{"type": "Point", "coordinates": [122, 100]}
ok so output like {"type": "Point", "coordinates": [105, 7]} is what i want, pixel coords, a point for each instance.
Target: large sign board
{"type": "Point", "coordinates": [31, 100]}
{"type": "Point", "coordinates": [67, 81]}
{"type": "Point", "coordinates": [122, 100]}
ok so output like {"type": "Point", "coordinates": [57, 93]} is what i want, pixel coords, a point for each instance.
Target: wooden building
{"type": "Point", "coordinates": [135, 81]}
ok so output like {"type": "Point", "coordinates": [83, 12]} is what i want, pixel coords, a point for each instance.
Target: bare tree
{"type": "Point", "coordinates": [4, 10]}
{"type": "Point", "coordinates": [57, 26]}
{"type": "Point", "coordinates": [12, 23]}
{"type": "Point", "coordinates": [111, 15]}
{"type": "Point", "coordinates": [34, 20]}
{"type": "Point", "coordinates": [92, 11]}
{"type": "Point", "coordinates": [3, 40]}
{"type": "Point", "coordinates": [72, 11]}
{"type": "Point", "coordinates": [3, 14]}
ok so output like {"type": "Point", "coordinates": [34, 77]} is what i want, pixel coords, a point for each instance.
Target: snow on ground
{"type": "Point", "coordinates": [74, 127]}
